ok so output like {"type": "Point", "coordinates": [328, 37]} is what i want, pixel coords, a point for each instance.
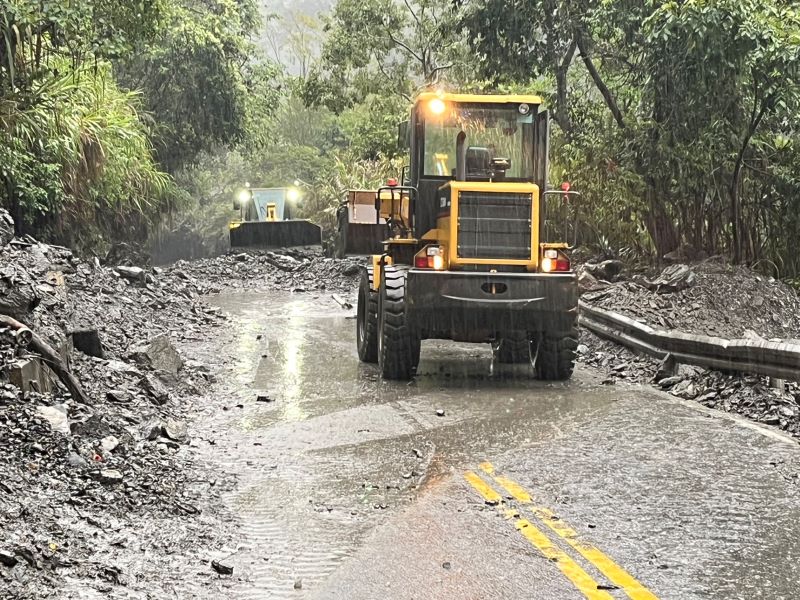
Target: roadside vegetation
{"type": "Point", "coordinates": [677, 121]}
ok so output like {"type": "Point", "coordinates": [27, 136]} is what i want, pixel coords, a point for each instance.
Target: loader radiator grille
{"type": "Point", "coordinates": [492, 225]}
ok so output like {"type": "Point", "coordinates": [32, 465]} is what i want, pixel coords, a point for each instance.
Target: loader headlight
{"type": "Point", "coordinates": [437, 106]}
{"type": "Point", "coordinates": [293, 195]}
{"type": "Point", "coordinates": [244, 196]}
{"type": "Point", "coordinates": [524, 109]}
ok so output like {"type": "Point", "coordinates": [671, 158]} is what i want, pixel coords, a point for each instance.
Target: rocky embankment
{"type": "Point", "coordinates": [708, 298]}
{"type": "Point", "coordinates": [99, 490]}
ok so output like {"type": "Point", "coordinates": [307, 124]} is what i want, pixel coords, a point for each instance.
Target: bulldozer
{"type": "Point", "coordinates": [464, 255]}
{"type": "Point", "coordinates": [265, 220]}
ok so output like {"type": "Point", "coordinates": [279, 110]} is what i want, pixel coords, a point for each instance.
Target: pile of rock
{"type": "Point", "coordinates": [81, 475]}
{"type": "Point", "coordinates": [711, 298]}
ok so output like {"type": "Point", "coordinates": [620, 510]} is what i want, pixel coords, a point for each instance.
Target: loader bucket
{"type": "Point", "coordinates": [360, 230]}
{"type": "Point", "coordinates": [275, 234]}
{"type": "Point", "coordinates": [354, 239]}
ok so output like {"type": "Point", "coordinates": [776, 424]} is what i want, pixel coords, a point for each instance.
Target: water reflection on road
{"type": "Point", "coordinates": [334, 465]}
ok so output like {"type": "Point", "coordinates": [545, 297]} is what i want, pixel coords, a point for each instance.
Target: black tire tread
{"type": "Point", "coordinates": [556, 357]}
{"type": "Point", "coordinates": [400, 347]}
{"type": "Point", "coordinates": [368, 352]}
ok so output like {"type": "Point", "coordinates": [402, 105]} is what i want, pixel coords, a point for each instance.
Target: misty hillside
{"type": "Point", "coordinates": [310, 7]}
{"type": "Point", "coordinates": [274, 40]}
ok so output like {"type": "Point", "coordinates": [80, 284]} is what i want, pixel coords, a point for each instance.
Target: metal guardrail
{"type": "Point", "coordinates": [774, 359]}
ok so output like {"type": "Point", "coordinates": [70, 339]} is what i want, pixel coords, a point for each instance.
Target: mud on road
{"type": "Point", "coordinates": [350, 487]}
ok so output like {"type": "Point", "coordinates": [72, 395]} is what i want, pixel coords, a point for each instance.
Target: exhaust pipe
{"type": "Point", "coordinates": [461, 157]}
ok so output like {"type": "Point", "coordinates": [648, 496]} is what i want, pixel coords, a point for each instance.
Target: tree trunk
{"type": "Point", "coordinates": [583, 46]}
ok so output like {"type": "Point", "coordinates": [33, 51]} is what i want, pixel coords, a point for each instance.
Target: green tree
{"type": "Point", "coordinates": [198, 78]}
{"type": "Point", "coordinates": [387, 47]}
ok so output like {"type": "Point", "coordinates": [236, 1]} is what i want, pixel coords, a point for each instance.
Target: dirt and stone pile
{"type": "Point", "coordinates": [292, 270]}
{"type": "Point", "coordinates": [90, 480]}
{"type": "Point", "coordinates": [709, 298]}
{"type": "Point", "coordinates": [83, 482]}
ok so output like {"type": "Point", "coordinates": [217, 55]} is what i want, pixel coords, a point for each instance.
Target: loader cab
{"type": "Point", "coordinates": [462, 137]}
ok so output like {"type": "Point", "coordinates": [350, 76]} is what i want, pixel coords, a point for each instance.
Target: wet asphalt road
{"type": "Point", "coordinates": [353, 488]}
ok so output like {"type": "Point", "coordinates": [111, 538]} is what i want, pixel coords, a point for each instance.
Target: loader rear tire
{"type": "Point", "coordinates": [513, 350]}
{"type": "Point", "coordinates": [367, 320]}
{"type": "Point", "coordinates": [555, 360]}
{"type": "Point", "coordinates": [398, 342]}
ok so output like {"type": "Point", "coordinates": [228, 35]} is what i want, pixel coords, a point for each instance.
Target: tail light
{"type": "Point", "coordinates": [431, 257]}
{"type": "Point", "coordinates": [555, 262]}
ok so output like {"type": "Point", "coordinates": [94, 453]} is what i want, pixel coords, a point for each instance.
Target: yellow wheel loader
{"type": "Point", "coordinates": [266, 220]}
{"type": "Point", "coordinates": [464, 256]}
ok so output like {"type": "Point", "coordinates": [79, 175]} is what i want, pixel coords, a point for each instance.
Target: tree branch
{"type": "Point", "coordinates": [405, 47]}
{"type": "Point", "coordinates": [598, 80]}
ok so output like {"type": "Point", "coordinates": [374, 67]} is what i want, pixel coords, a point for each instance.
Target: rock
{"type": "Point", "coordinates": [582, 349]}
{"type": "Point", "coordinates": [88, 342]}
{"type": "Point", "coordinates": [18, 295]}
{"type": "Point", "coordinates": [608, 270]}
{"type": "Point", "coordinates": [118, 396]}
{"type": "Point", "coordinates": [7, 559]}
{"type": "Point", "coordinates": [109, 443]}
{"type": "Point", "coordinates": [110, 477]}
{"type": "Point", "coordinates": [667, 368]}
{"type": "Point", "coordinates": [152, 430]}
{"type": "Point", "coordinates": [685, 389]}
{"type": "Point", "coordinates": [263, 398]}
{"type": "Point", "coordinates": [56, 416]}
{"type": "Point", "coordinates": [175, 430]}
{"type": "Point", "coordinates": [6, 227]}
{"type": "Point", "coordinates": [670, 381]}
{"type": "Point", "coordinates": [240, 257]}
{"type": "Point", "coordinates": [132, 273]}
{"type": "Point", "coordinates": [155, 389]}
{"type": "Point", "coordinates": [30, 374]}
{"type": "Point", "coordinates": [672, 279]}
{"type": "Point", "coordinates": [158, 354]}
{"type": "Point", "coordinates": [221, 568]}
{"type": "Point", "coordinates": [586, 281]}
{"type": "Point", "coordinates": [351, 270]}
{"type": "Point", "coordinates": [76, 461]}
{"type": "Point", "coordinates": [440, 413]}
{"type": "Point", "coordinates": [298, 584]}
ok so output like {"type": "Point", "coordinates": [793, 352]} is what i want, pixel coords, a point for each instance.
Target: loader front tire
{"type": "Point", "coordinates": [555, 360]}
{"type": "Point", "coordinates": [398, 342]}
{"type": "Point", "coordinates": [367, 320]}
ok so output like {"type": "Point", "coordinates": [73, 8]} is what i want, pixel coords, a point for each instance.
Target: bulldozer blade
{"type": "Point", "coordinates": [275, 234]}
{"type": "Point", "coordinates": [354, 239]}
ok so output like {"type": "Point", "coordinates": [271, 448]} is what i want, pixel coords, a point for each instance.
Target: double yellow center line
{"type": "Point", "coordinates": [584, 582]}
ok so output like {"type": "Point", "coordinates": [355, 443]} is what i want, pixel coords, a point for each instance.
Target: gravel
{"type": "Point", "coordinates": [722, 301]}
